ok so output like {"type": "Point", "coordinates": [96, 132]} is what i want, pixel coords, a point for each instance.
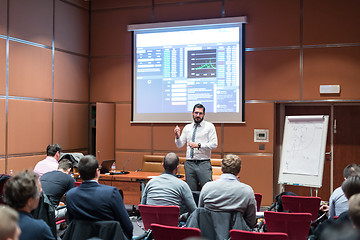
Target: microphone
{"type": "Point", "coordinates": [179, 175]}
{"type": "Point", "coordinates": [123, 171]}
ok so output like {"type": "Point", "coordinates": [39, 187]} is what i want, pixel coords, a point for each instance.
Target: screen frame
{"type": "Point", "coordinates": [233, 21]}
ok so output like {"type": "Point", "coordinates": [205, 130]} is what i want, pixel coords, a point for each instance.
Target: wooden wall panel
{"type": "Point", "coordinates": [134, 160]}
{"type": "Point", "coordinates": [164, 138]}
{"type": "Point", "coordinates": [2, 67]}
{"type": "Point", "coordinates": [272, 75]}
{"type": "Point", "coordinates": [109, 4]}
{"type": "Point", "coordinates": [71, 81]}
{"type": "Point", "coordinates": [18, 164]}
{"type": "Point", "coordinates": [174, 1]}
{"type": "Point", "coordinates": [331, 21]}
{"type": "Point", "coordinates": [71, 28]}
{"type": "Point", "coordinates": [109, 35]}
{"type": "Point", "coordinates": [332, 66]}
{"type": "Point", "coordinates": [71, 125]}
{"type": "Point", "coordinates": [3, 17]}
{"type": "Point", "coordinates": [80, 3]}
{"type": "Point", "coordinates": [198, 10]}
{"type": "Point", "coordinates": [31, 20]}
{"type": "Point", "coordinates": [110, 79]}
{"type": "Point", "coordinates": [268, 24]}
{"type": "Point", "coordinates": [240, 137]}
{"type": "Point", "coordinates": [130, 136]}
{"type": "Point", "coordinates": [30, 71]}
{"type": "Point", "coordinates": [29, 126]}
{"type": "Point", "coordinates": [2, 165]}
{"type": "Point", "coordinates": [257, 171]}
{"type": "Point", "coordinates": [2, 126]}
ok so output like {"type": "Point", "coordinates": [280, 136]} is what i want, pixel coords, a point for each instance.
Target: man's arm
{"type": "Point", "coordinates": [188, 198]}
{"type": "Point", "coordinates": [180, 140]}
{"type": "Point", "coordinates": [144, 195]}
{"type": "Point", "coordinates": [250, 213]}
{"type": "Point", "coordinates": [120, 213]}
{"type": "Point", "coordinates": [213, 141]}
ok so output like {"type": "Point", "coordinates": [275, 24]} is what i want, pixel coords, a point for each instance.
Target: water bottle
{"type": "Point", "coordinates": [113, 167]}
{"type": "Point", "coordinates": [11, 172]}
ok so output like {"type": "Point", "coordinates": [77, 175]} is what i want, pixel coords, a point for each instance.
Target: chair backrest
{"type": "Point", "coordinates": [166, 215]}
{"type": "Point", "coordinates": [299, 204]}
{"type": "Point", "coordinates": [258, 198]}
{"type": "Point", "coordinates": [295, 225]}
{"type": "Point", "coordinates": [246, 235]}
{"type": "Point", "coordinates": [81, 230]}
{"type": "Point", "coordinates": [162, 232]}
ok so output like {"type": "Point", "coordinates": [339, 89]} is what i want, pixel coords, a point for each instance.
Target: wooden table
{"type": "Point", "coordinates": [131, 184]}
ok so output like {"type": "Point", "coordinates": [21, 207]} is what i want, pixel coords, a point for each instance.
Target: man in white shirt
{"type": "Point", "coordinates": [200, 137]}
{"type": "Point", "coordinates": [51, 162]}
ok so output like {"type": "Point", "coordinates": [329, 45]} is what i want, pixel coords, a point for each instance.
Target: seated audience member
{"type": "Point", "coordinates": [56, 183]}
{"type": "Point", "coordinates": [342, 228]}
{"type": "Point", "coordinates": [9, 228]}
{"type": "Point", "coordinates": [228, 193]}
{"type": "Point", "coordinates": [354, 210]}
{"type": "Point", "coordinates": [51, 162]}
{"type": "Point", "coordinates": [22, 192]}
{"type": "Point", "coordinates": [167, 189]}
{"type": "Point", "coordinates": [92, 201]}
{"type": "Point", "coordinates": [338, 203]}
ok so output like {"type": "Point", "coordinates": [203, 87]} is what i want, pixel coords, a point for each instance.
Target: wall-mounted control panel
{"type": "Point", "coordinates": [261, 135]}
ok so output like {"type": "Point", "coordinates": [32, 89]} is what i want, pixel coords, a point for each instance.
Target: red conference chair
{"type": "Point", "coordinates": [258, 198]}
{"type": "Point", "coordinates": [246, 235]}
{"type": "Point", "coordinates": [165, 215]}
{"type": "Point", "coordinates": [162, 232]}
{"type": "Point", "coordinates": [295, 225]}
{"type": "Point", "coordinates": [77, 184]}
{"type": "Point", "coordinates": [299, 204]}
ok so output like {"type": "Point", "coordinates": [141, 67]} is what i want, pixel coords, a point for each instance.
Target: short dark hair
{"type": "Point", "coordinates": [19, 188]}
{"type": "Point", "coordinates": [199, 105]}
{"type": "Point", "coordinates": [9, 222]}
{"type": "Point", "coordinates": [87, 167]}
{"type": "Point", "coordinates": [351, 186]}
{"type": "Point", "coordinates": [171, 161]}
{"type": "Point", "coordinates": [351, 170]}
{"type": "Point", "coordinates": [231, 164]}
{"type": "Point", "coordinates": [354, 210]}
{"type": "Point", "coordinates": [52, 149]}
{"type": "Point", "coordinates": [65, 164]}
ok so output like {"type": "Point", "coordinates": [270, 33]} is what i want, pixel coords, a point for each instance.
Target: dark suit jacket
{"type": "Point", "coordinates": [92, 201]}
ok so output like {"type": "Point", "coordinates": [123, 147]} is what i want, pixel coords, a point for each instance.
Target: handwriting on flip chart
{"type": "Point", "coordinates": [303, 148]}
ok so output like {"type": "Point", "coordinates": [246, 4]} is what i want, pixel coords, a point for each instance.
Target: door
{"type": "Point", "coordinates": [105, 131]}
{"type": "Point", "coordinates": [346, 139]}
{"type": "Point", "coordinates": [343, 139]}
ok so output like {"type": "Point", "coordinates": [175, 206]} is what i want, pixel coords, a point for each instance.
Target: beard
{"type": "Point", "coordinates": [198, 119]}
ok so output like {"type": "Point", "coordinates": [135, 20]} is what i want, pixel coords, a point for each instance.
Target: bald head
{"type": "Point", "coordinates": [171, 161]}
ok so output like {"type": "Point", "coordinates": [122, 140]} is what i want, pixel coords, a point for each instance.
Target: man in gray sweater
{"type": "Point", "coordinates": [228, 194]}
{"type": "Point", "coordinates": [167, 189]}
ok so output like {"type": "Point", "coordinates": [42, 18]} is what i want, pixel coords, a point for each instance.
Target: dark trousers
{"type": "Point", "coordinates": [197, 171]}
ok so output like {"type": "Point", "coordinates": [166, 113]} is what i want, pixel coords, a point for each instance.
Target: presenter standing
{"type": "Point", "coordinates": [200, 137]}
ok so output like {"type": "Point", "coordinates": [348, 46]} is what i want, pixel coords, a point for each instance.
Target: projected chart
{"type": "Point", "coordinates": [202, 63]}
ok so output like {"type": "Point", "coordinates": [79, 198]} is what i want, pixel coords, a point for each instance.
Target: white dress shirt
{"type": "Point", "coordinates": [205, 135]}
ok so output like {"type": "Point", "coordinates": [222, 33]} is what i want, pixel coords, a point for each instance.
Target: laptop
{"type": "Point", "coordinates": [106, 166]}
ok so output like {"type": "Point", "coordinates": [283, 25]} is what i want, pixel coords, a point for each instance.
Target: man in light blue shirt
{"type": "Point", "coordinates": [338, 203]}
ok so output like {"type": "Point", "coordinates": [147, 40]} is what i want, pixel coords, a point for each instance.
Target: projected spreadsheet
{"type": "Point", "coordinates": [173, 78]}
